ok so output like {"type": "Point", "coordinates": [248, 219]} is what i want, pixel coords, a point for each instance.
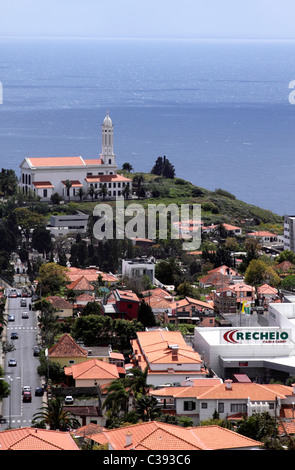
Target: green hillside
{"type": "Point", "coordinates": [217, 206]}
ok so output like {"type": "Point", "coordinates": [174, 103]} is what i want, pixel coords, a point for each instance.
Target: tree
{"type": "Point", "coordinates": [4, 386]}
{"type": "Point", "coordinates": [68, 185]}
{"type": "Point", "coordinates": [41, 240]}
{"type": "Point", "coordinates": [259, 426]}
{"type": "Point", "coordinates": [92, 308]}
{"type": "Point", "coordinates": [145, 314]}
{"type": "Point", "coordinates": [91, 192]}
{"type": "Point", "coordinates": [258, 272]}
{"type": "Point", "coordinates": [28, 220]}
{"type": "Point", "coordinates": [147, 408]}
{"type": "Point", "coordinates": [103, 192]}
{"type": "Point", "coordinates": [80, 194]}
{"type": "Point", "coordinates": [53, 415]}
{"type": "Point", "coordinates": [117, 399]}
{"type": "Point", "coordinates": [93, 330]}
{"type": "Point", "coordinates": [56, 198]}
{"type": "Point", "coordinates": [185, 289]}
{"type": "Point", "coordinates": [136, 381]}
{"type": "Point", "coordinates": [286, 255]}
{"type": "Point", "coordinates": [52, 278]}
{"type": "Point", "coordinates": [8, 182]}
{"type": "Point", "coordinates": [163, 167]}
{"type": "Point", "coordinates": [47, 320]}
{"type": "Point", "coordinates": [127, 167]}
{"type": "Point", "coordinates": [126, 191]}
{"type": "Point", "coordinates": [138, 180]}
{"type": "Point", "coordinates": [288, 282]}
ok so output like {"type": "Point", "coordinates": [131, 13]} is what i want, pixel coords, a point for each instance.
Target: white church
{"type": "Point", "coordinates": [46, 176]}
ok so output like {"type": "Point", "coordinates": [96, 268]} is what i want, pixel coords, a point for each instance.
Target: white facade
{"type": "Point", "coordinates": [136, 268]}
{"type": "Point", "coordinates": [46, 176]}
{"type": "Point", "coordinates": [289, 231]}
{"type": "Point", "coordinates": [252, 356]}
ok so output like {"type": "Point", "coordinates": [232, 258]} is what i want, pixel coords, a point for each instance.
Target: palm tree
{"type": "Point", "coordinates": [103, 191]}
{"type": "Point", "coordinates": [81, 193]}
{"type": "Point", "coordinates": [147, 408]}
{"type": "Point", "coordinates": [68, 185]}
{"type": "Point", "coordinates": [136, 381]}
{"type": "Point", "coordinates": [137, 181]}
{"type": "Point", "coordinates": [126, 191]}
{"type": "Point", "coordinates": [91, 192]}
{"type": "Point", "coordinates": [127, 167]}
{"type": "Point", "coordinates": [55, 417]}
{"type": "Point", "coordinates": [117, 399]}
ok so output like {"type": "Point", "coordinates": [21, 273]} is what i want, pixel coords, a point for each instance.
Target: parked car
{"type": "Point", "coordinates": [12, 363]}
{"type": "Point", "coordinates": [37, 350]}
{"type": "Point", "coordinates": [14, 335]}
{"type": "Point", "coordinates": [25, 315]}
{"type": "Point", "coordinates": [27, 397]}
{"type": "Point", "coordinates": [39, 392]}
{"type": "Point", "coordinates": [69, 400]}
{"type": "Point", "coordinates": [11, 318]}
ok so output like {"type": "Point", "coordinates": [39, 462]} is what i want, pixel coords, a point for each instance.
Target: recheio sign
{"type": "Point", "coordinates": [255, 336]}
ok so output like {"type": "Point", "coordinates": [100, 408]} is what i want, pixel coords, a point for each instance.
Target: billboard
{"type": "Point", "coordinates": [255, 336]}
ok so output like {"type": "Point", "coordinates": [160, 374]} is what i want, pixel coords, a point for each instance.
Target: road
{"type": "Point", "coordinates": [17, 413]}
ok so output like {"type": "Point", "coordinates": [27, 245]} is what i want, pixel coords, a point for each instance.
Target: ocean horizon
{"type": "Point", "coordinates": [218, 110]}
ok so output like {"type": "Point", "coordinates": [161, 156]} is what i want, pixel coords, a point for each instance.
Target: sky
{"type": "Point", "coordinates": [246, 19]}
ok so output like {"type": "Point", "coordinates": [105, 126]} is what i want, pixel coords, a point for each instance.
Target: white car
{"type": "Point", "coordinates": [69, 400]}
{"type": "Point", "coordinates": [26, 388]}
{"type": "Point", "coordinates": [25, 315]}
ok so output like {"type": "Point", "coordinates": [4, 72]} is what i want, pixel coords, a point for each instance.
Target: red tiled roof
{"type": "Point", "coordinates": [158, 436]}
{"type": "Point", "coordinates": [56, 161]}
{"type": "Point", "coordinates": [106, 178]}
{"type": "Point", "coordinates": [262, 233]}
{"type": "Point", "coordinates": [36, 439]}
{"type": "Point", "coordinates": [95, 161]}
{"type": "Point", "coordinates": [92, 369]}
{"type": "Point", "coordinates": [66, 347]}
{"type": "Point", "coordinates": [42, 184]}
{"type": "Point", "coordinates": [80, 284]}
{"type": "Point", "coordinates": [75, 183]}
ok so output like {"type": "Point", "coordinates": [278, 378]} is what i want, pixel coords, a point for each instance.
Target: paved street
{"type": "Point", "coordinates": [16, 412]}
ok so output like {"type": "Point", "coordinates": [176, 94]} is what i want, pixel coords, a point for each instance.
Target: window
{"type": "Point", "coordinates": [204, 405]}
{"type": "Point", "coordinates": [220, 407]}
{"type": "Point", "coordinates": [238, 408]}
{"type": "Point", "coordinates": [189, 405]}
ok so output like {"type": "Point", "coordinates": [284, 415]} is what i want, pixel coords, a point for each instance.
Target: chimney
{"type": "Point", "coordinates": [128, 439]}
{"type": "Point", "coordinates": [228, 384]}
{"type": "Point", "coordinates": [174, 348]}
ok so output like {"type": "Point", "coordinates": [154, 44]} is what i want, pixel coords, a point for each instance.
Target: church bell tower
{"type": "Point", "coordinates": [107, 129]}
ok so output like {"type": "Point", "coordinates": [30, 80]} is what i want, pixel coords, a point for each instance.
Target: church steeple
{"type": "Point", "coordinates": [107, 154]}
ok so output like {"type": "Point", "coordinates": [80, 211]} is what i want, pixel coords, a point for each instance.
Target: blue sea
{"type": "Point", "coordinates": [218, 110]}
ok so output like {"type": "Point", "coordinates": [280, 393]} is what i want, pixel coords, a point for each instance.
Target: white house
{"type": "Point", "coordinates": [204, 397]}
{"type": "Point", "coordinates": [48, 175]}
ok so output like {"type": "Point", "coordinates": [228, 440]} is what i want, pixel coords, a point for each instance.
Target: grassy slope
{"type": "Point", "coordinates": [216, 208]}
